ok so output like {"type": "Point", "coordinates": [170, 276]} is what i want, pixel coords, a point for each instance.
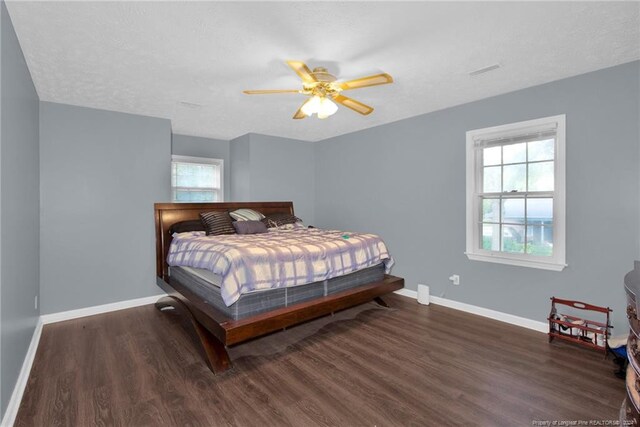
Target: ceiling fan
{"type": "Point", "coordinates": [323, 88]}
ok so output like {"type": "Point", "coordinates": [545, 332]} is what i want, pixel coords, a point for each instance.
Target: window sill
{"type": "Point", "coordinates": [517, 262]}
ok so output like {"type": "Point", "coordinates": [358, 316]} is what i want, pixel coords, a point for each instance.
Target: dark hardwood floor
{"type": "Point", "coordinates": [408, 365]}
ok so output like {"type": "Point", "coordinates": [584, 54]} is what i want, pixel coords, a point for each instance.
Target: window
{"type": "Point", "coordinates": [196, 179]}
{"type": "Point", "coordinates": [516, 194]}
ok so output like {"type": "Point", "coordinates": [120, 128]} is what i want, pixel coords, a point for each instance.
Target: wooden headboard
{"type": "Point", "coordinates": [167, 214]}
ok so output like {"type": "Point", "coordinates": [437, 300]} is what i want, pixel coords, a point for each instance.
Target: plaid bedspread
{"type": "Point", "coordinates": [277, 259]}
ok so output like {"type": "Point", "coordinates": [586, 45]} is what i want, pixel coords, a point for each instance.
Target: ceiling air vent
{"type": "Point", "coordinates": [484, 70]}
{"type": "Point", "coordinates": [190, 105]}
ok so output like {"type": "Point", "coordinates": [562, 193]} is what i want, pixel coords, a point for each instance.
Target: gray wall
{"type": "Point", "coordinates": [284, 169]}
{"type": "Point", "coordinates": [184, 145]}
{"type": "Point", "coordinates": [100, 173]}
{"type": "Point", "coordinates": [240, 163]}
{"type": "Point", "coordinates": [19, 206]}
{"type": "Point", "coordinates": [2, 26]}
{"type": "Point", "coordinates": [406, 181]}
{"type": "Point", "coordinates": [268, 168]}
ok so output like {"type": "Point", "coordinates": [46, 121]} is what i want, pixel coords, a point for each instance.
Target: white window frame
{"type": "Point", "coordinates": [198, 160]}
{"type": "Point", "coordinates": [474, 252]}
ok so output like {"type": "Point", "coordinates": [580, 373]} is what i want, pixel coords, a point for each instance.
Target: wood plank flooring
{"type": "Point", "coordinates": [367, 366]}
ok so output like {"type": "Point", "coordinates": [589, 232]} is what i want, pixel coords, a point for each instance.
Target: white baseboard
{"type": "Point", "coordinates": [407, 293]}
{"type": "Point", "coordinates": [21, 383]}
{"type": "Point", "coordinates": [481, 311]}
{"type": "Point", "coordinates": [98, 309]}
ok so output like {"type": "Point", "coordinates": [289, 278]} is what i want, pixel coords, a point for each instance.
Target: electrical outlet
{"type": "Point", "coordinates": [35, 303]}
{"type": "Point", "coordinates": [455, 279]}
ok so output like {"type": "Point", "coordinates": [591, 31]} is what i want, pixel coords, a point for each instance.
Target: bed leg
{"type": "Point", "coordinates": [380, 301]}
{"type": "Point", "coordinates": [215, 352]}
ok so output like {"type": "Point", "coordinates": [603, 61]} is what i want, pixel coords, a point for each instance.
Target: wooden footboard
{"type": "Point", "coordinates": [232, 332]}
{"type": "Point", "coordinates": [226, 331]}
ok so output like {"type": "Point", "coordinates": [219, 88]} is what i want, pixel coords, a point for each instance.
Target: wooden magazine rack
{"type": "Point", "coordinates": [585, 332]}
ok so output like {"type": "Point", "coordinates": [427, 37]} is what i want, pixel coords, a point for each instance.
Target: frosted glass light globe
{"type": "Point", "coordinates": [327, 108]}
{"type": "Point", "coordinates": [322, 106]}
{"type": "Point", "coordinates": [311, 106]}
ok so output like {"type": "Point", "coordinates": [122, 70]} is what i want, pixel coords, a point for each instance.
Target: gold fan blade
{"type": "Point", "coordinates": [268, 91]}
{"type": "Point", "coordinates": [378, 79]}
{"type": "Point", "coordinates": [356, 106]}
{"type": "Point", "coordinates": [299, 114]}
{"type": "Point", "coordinates": [302, 70]}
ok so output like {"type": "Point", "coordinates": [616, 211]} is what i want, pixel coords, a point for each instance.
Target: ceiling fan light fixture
{"type": "Point", "coordinates": [311, 106]}
{"type": "Point", "coordinates": [320, 105]}
{"type": "Point", "coordinates": [327, 108]}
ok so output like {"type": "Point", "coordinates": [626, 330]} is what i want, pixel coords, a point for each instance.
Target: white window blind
{"type": "Point", "coordinates": [196, 179]}
{"type": "Point", "coordinates": [515, 194]}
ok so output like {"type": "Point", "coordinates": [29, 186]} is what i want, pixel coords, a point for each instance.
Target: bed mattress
{"type": "Point", "coordinates": [277, 259]}
{"type": "Point", "coordinates": [206, 285]}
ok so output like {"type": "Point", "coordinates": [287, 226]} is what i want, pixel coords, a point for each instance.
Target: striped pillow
{"type": "Point", "coordinates": [246, 215]}
{"type": "Point", "coordinates": [279, 219]}
{"type": "Point", "coordinates": [216, 223]}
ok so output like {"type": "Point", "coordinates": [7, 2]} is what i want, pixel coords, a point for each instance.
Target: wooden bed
{"type": "Point", "coordinates": [215, 330]}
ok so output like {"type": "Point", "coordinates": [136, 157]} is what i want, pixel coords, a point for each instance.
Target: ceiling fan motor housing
{"type": "Point", "coordinates": [322, 75]}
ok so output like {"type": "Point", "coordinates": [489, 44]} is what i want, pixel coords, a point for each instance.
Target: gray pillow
{"type": "Point", "coordinates": [249, 227]}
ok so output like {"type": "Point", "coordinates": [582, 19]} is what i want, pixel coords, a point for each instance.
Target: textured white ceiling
{"type": "Point", "coordinates": [146, 57]}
